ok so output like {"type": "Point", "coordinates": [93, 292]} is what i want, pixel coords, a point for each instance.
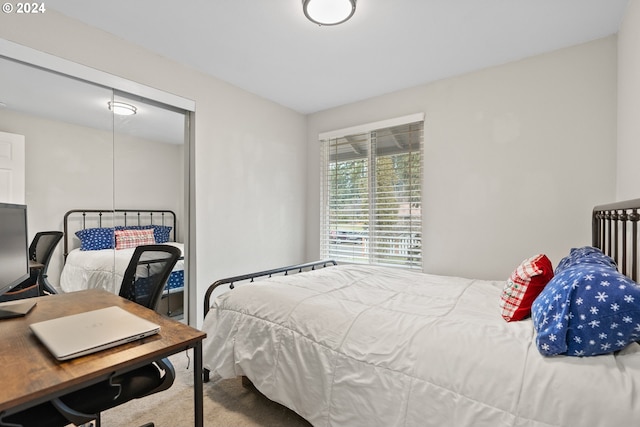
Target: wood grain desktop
{"type": "Point", "coordinates": [30, 375]}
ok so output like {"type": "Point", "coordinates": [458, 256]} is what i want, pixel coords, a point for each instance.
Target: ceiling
{"type": "Point", "coordinates": [267, 47]}
{"type": "Point", "coordinates": [31, 90]}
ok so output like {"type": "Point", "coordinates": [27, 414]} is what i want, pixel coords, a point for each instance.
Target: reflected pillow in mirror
{"type": "Point", "coordinates": [95, 239]}
{"type": "Point", "coordinates": [126, 239]}
{"type": "Point", "coordinates": [161, 233]}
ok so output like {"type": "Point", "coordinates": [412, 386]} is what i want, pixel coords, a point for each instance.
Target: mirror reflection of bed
{"type": "Point", "coordinates": [78, 153]}
{"type": "Point", "coordinates": [98, 246]}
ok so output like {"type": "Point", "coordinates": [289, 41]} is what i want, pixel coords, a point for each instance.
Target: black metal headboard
{"type": "Point", "coordinates": [78, 219]}
{"type": "Point", "coordinates": [615, 232]}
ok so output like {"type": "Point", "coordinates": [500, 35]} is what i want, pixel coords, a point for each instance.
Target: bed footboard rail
{"type": "Point", "coordinates": [615, 232]}
{"type": "Point", "coordinates": [231, 281]}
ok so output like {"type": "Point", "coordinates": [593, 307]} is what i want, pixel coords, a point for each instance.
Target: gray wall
{"type": "Point", "coordinates": [628, 177]}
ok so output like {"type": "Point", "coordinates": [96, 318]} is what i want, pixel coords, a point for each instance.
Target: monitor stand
{"type": "Point", "coordinates": [16, 308]}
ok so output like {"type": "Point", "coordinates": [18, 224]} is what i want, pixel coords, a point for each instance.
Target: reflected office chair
{"type": "Point", "coordinates": [147, 274]}
{"type": "Point", "coordinates": [40, 251]}
{"type": "Point", "coordinates": [143, 282]}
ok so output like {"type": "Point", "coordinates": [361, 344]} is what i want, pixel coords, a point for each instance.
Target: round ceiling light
{"type": "Point", "coordinates": [122, 108]}
{"type": "Point", "coordinates": [328, 12]}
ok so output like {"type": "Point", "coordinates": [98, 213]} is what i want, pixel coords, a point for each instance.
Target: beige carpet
{"type": "Point", "coordinates": [226, 403]}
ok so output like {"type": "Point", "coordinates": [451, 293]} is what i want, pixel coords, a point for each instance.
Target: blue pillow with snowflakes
{"type": "Point", "coordinates": [584, 255]}
{"type": "Point", "coordinates": [162, 233]}
{"type": "Point", "coordinates": [175, 280]}
{"type": "Point", "coordinates": [588, 308]}
{"type": "Point", "coordinates": [94, 239]}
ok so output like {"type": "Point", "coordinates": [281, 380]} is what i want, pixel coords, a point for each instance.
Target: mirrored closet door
{"type": "Point", "coordinates": [149, 173]}
{"type": "Point", "coordinates": [86, 166]}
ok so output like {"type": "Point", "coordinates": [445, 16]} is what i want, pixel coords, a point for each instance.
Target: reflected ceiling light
{"type": "Point", "coordinates": [121, 108]}
{"type": "Point", "coordinates": [328, 12]}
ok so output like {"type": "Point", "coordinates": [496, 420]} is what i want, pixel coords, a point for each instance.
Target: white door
{"type": "Point", "coordinates": [12, 168]}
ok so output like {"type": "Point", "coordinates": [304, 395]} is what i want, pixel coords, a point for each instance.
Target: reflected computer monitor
{"type": "Point", "coordinates": [14, 254]}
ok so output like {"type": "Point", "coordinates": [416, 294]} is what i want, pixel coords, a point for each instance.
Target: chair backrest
{"type": "Point", "coordinates": [42, 246]}
{"type": "Point", "coordinates": [40, 250]}
{"type": "Point", "coordinates": [147, 273]}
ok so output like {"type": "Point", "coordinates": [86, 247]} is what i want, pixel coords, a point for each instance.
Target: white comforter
{"type": "Point", "coordinates": [103, 269]}
{"type": "Point", "coordinates": [371, 346]}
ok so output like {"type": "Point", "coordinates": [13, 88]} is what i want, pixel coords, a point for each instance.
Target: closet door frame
{"type": "Point", "coordinates": [48, 62]}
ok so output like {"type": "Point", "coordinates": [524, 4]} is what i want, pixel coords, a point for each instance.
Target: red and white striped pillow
{"type": "Point", "coordinates": [132, 238]}
{"type": "Point", "coordinates": [523, 286]}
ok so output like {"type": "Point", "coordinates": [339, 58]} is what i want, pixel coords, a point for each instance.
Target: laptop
{"type": "Point", "coordinates": [85, 333]}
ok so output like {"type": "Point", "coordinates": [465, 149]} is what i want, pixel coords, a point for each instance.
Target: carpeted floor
{"type": "Point", "coordinates": [226, 403]}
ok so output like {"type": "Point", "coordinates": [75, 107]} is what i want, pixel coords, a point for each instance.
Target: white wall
{"type": "Point", "coordinates": [149, 174]}
{"type": "Point", "coordinates": [250, 154]}
{"type": "Point", "coordinates": [515, 158]}
{"type": "Point", "coordinates": [628, 176]}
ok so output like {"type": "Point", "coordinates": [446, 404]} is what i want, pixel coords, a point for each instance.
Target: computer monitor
{"type": "Point", "coordinates": [14, 246]}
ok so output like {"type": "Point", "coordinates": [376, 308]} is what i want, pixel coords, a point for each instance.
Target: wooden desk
{"type": "Point", "coordinates": [30, 375]}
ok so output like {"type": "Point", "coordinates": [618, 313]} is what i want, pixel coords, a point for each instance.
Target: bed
{"type": "Point", "coordinates": [98, 245]}
{"type": "Point", "coordinates": [374, 346]}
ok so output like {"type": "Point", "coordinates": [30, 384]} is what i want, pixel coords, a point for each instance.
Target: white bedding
{"type": "Point", "coordinates": [372, 346]}
{"type": "Point", "coordinates": [102, 269]}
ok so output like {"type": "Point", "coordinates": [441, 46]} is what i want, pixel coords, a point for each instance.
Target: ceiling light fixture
{"type": "Point", "coordinates": [328, 12]}
{"type": "Point", "coordinates": [122, 109]}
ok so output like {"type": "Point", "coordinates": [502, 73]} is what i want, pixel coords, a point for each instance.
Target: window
{"type": "Point", "coordinates": [372, 193]}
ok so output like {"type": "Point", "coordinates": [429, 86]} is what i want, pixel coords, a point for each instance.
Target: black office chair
{"type": "Point", "coordinates": [147, 274]}
{"type": "Point", "coordinates": [143, 282]}
{"type": "Point", "coordinates": [84, 406]}
{"type": "Point", "coordinates": [40, 251]}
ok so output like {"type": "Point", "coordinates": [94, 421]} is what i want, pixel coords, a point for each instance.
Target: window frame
{"type": "Point", "coordinates": [371, 244]}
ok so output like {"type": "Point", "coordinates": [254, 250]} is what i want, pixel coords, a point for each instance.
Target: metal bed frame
{"type": "Point", "coordinates": [116, 217]}
{"type": "Point", "coordinates": [231, 281]}
{"type": "Point", "coordinates": [615, 232]}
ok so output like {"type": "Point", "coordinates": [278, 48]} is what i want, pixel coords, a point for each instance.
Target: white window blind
{"type": "Point", "coordinates": [372, 194]}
